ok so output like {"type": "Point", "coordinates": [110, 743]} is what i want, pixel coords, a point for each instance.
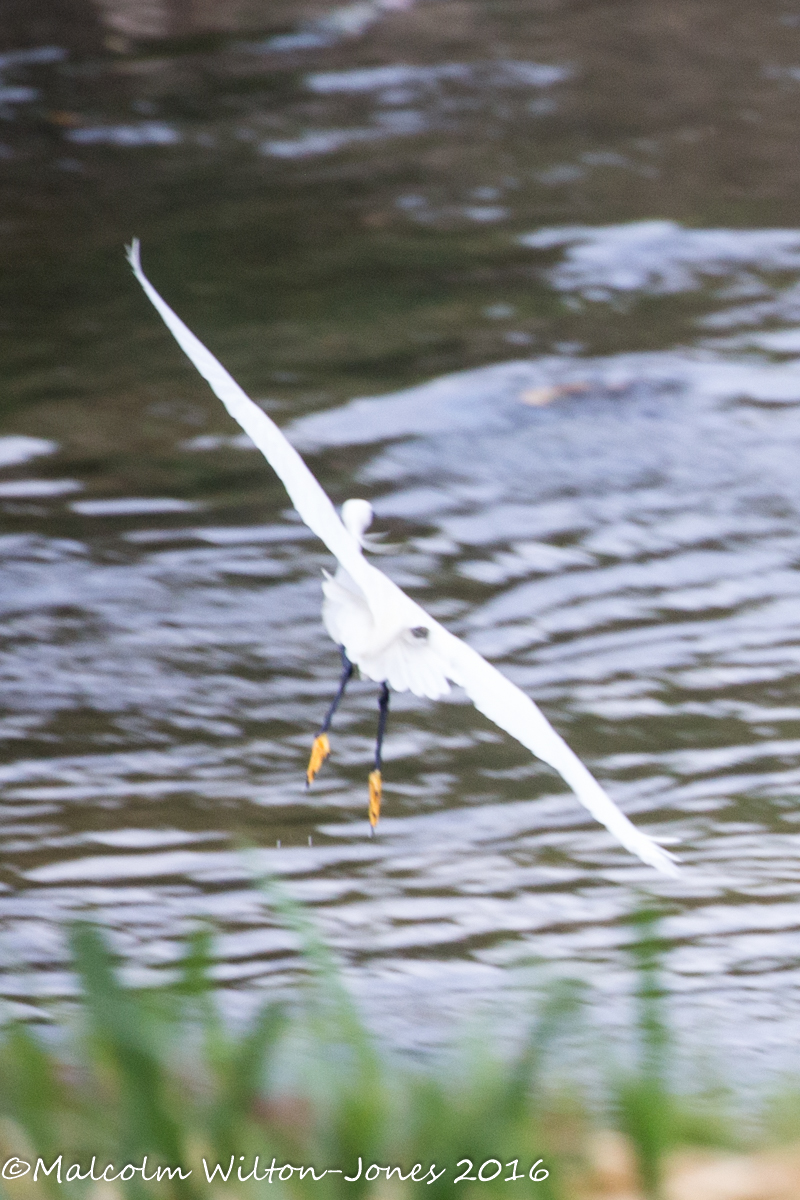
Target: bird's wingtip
{"type": "Point", "coordinates": [666, 863]}
{"type": "Point", "coordinates": [132, 254]}
{"type": "Point", "coordinates": [662, 859]}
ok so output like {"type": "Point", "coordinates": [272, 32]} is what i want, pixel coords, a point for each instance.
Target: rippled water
{"type": "Point", "coordinates": [582, 441]}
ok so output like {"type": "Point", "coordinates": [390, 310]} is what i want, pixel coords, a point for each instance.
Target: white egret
{"type": "Point", "coordinates": [390, 638]}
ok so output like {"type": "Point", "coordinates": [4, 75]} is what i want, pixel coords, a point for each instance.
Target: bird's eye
{"type": "Point", "coordinates": [419, 631]}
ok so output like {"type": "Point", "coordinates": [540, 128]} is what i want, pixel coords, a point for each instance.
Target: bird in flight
{"type": "Point", "coordinates": [381, 630]}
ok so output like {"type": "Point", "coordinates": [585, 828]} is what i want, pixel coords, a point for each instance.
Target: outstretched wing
{"type": "Point", "coordinates": [306, 495]}
{"type": "Point", "coordinates": [503, 702]}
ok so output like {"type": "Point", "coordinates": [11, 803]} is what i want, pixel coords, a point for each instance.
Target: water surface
{"type": "Point", "coordinates": [552, 334]}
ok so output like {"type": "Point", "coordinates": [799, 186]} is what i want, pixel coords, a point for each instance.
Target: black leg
{"type": "Point", "coordinates": [347, 674]}
{"type": "Point", "coordinates": [321, 748]}
{"type": "Point", "coordinates": [383, 712]}
{"type": "Point", "coordinates": [375, 778]}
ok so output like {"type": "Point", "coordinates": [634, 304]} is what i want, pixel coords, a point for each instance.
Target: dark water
{"type": "Point", "coordinates": [558, 250]}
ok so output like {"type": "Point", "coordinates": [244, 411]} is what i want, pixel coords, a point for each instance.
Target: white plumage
{"type": "Point", "coordinates": [385, 633]}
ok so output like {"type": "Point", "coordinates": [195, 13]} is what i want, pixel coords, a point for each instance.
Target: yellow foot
{"type": "Point", "coordinates": [319, 752]}
{"type": "Point", "coordinates": [375, 791]}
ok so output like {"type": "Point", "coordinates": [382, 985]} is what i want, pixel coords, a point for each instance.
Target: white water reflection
{"type": "Point", "coordinates": [329, 141]}
{"type": "Point", "coordinates": [662, 257]}
{"type": "Point", "coordinates": [498, 74]}
{"type": "Point", "coordinates": [140, 133]}
{"type": "Point", "coordinates": [16, 449]}
{"type": "Point", "coordinates": [30, 489]}
{"type": "Point", "coordinates": [129, 506]}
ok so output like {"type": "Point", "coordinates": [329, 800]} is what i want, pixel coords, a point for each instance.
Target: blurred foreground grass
{"type": "Point", "coordinates": [154, 1079]}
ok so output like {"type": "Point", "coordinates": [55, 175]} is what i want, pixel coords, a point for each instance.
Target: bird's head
{"type": "Point", "coordinates": [357, 518]}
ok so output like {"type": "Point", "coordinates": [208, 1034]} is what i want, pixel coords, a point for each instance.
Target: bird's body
{"type": "Point", "coordinates": [400, 648]}
{"type": "Point", "coordinates": [381, 630]}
